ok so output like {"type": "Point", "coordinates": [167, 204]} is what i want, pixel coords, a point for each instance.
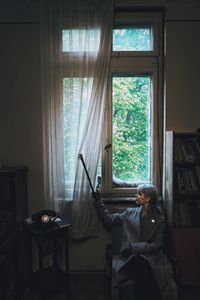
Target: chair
{"type": "Point", "coordinates": [112, 252]}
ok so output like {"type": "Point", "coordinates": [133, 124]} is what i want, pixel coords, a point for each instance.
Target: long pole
{"type": "Point", "coordinates": [86, 171]}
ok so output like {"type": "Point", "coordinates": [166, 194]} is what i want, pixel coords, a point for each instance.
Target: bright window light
{"type": "Point", "coordinates": [80, 40]}
{"type": "Point", "coordinates": [131, 127]}
{"type": "Point", "coordinates": [133, 39]}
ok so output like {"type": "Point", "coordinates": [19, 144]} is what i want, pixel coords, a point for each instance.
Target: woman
{"type": "Point", "coordinates": [141, 259]}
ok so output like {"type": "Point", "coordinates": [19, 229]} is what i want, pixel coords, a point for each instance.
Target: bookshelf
{"type": "Point", "coordinates": [182, 201]}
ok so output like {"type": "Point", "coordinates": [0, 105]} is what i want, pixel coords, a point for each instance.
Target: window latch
{"type": "Point", "coordinates": [108, 146]}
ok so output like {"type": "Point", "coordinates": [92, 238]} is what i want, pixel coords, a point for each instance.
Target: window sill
{"type": "Point", "coordinates": [113, 200]}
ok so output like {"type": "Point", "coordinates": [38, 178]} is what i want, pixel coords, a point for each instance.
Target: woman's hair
{"type": "Point", "coordinates": [150, 191]}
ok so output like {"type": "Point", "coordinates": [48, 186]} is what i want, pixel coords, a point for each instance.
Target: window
{"type": "Point", "coordinates": [130, 147]}
{"type": "Point", "coordinates": [74, 118]}
{"type": "Point", "coordinates": [131, 143]}
{"type": "Point", "coordinates": [79, 51]}
{"type": "Point", "coordinates": [78, 41]}
{"type": "Point", "coordinates": [131, 130]}
{"type": "Point", "coordinates": [133, 38]}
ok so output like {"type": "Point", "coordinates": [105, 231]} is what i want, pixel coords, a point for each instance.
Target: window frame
{"type": "Point", "coordinates": [140, 18]}
{"type": "Point", "coordinates": [135, 62]}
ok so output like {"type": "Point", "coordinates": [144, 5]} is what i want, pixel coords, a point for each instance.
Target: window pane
{"type": "Point", "coordinates": [131, 127]}
{"type": "Point", "coordinates": [76, 94]}
{"type": "Point", "coordinates": [79, 40]}
{"type": "Point", "coordinates": [133, 39]}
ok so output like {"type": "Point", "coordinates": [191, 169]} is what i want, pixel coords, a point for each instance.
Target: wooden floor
{"type": "Point", "coordinates": [95, 286]}
{"type": "Point", "coordinates": [84, 286]}
{"type": "Point", "coordinates": [90, 286]}
{"type": "Point", "coordinates": [189, 293]}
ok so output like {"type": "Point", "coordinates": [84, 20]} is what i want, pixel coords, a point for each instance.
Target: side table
{"type": "Point", "coordinates": [53, 278]}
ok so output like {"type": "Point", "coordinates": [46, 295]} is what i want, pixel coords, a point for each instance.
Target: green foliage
{"type": "Point", "coordinates": [132, 39]}
{"type": "Point", "coordinates": [131, 102]}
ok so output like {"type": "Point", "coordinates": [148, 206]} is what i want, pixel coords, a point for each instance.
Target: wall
{"type": "Point", "coordinates": [20, 101]}
{"type": "Point", "coordinates": [21, 106]}
{"type": "Point", "coordinates": [182, 75]}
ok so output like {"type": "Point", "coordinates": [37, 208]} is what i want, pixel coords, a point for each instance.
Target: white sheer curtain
{"type": "Point", "coordinates": [76, 47]}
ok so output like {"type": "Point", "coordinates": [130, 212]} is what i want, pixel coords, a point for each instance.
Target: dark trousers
{"type": "Point", "coordinates": [145, 286]}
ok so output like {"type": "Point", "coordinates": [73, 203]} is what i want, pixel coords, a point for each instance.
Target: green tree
{"type": "Point", "coordinates": [131, 101]}
{"type": "Point", "coordinates": [132, 39]}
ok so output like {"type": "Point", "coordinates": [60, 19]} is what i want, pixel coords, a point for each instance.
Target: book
{"type": "Point", "coordinates": [182, 217]}
{"type": "Point", "coordinates": [194, 213]}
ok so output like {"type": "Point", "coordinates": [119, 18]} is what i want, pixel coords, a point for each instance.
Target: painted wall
{"type": "Point", "coordinates": [182, 75]}
{"type": "Point", "coordinates": [21, 105]}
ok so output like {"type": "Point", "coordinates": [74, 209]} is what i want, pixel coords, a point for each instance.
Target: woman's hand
{"type": "Point", "coordinates": [96, 196]}
{"type": "Point", "coordinates": [126, 252]}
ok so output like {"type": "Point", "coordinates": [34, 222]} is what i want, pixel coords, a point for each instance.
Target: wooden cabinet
{"type": "Point", "coordinates": [13, 191]}
{"type": "Point", "coordinates": [13, 211]}
{"type": "Point", "coordinates": [182, 201]}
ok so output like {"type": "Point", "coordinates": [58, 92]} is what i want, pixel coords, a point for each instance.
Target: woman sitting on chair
{"type": "Point", "coordinates": [141, 260]}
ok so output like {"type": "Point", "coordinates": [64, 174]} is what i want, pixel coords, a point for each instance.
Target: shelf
{"type": "Point", "coordinates": [187, 230]}
{"type": "Point", "coordinates": [185, 194]}
{"type": "Point", "coordinates": [182, 198]}
{"type": "Point", "coordinates": [186, 163]}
